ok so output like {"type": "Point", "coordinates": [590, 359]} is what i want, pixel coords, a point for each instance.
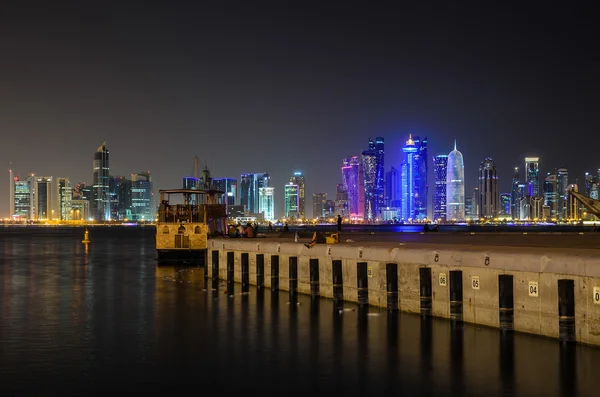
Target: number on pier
{"type": "Point", "coordinates": [370, 271]}
{"type": "Point", "coordinates": [475, 282]}
{"type": "Point", "coordinates": [533, 288]}
{"type": "Point", "coordinates": [443, 279]}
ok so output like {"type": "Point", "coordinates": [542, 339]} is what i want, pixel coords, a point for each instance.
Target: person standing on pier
{"type": "Point", "coordinates": [339, 223]}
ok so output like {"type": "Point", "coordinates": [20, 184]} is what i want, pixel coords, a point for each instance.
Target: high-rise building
{"type": "Point", "coordinates": [191, 183]}
{"type": "Point", "coordinates": [562, 184]}
{"type": "Point", "coordinates": [341, 201]}
{"type": "Point", "coordinates": [352, 176]}
{"type": "Point", "coordinates": [229, 186]}
{"type": "Point", "coordinates": [329, 209]}
{"type": "Point", "coordinates": [249, 185]}
{"type": "Point", "coordinates": [469, 208]}
{"type": "Point", "coordinates": [64, 195]}
{"type": "Point", "coordinates": [590, 180]}
{"type": "Point", "coordinates": [488, 189]}
{"type": "Point", "coordinates": [319, 200]}
{"type": "Point", "coordinates": [142, 197]}
{"type": "Point", "coordinates": [22, 191]}
{"type": "Point", "coordinates": [298, 179]}
{"type": "Point", "coordinates": [551, 193]}
{"type": "Point", "coordinates": [505, 204]}
{"type": "Point", "coordinates": [292, 194]}
{"type": "Point", "coordinates": [572, 204]}
{"type": "Point", "coordinates": [120, 197]}
{"type": "Point", "coordinates": [532, 172]}
{"type": "Point", "coordinates": [392, 188]}
{"type": "Point", "coordinates": [373, 175]}
{"type": "Point", "coordinates": [440, 168]}
{"type": "Point", "coordinates": [11, 193]}
{"type": "Point", "coordinates": [414, 179]}
{"type": "Point", "coordinates": [101, 187]}
{"type": "Point", "coordinates": [515, 198]}
{"type": "Point", "coordinates": [44, 198]}
{"type": "Point", "coordinates": [267, 202]}
{"type": "Point", "coordinates": [475, 203]}
{"type": "Point", "coordinates": [455, 186]}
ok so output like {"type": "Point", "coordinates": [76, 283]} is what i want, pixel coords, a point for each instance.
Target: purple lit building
{"type": "Point", "coordinates": [352, 176]}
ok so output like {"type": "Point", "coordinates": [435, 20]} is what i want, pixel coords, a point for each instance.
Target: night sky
{"type": "Point", "coordinates": [258, 87]}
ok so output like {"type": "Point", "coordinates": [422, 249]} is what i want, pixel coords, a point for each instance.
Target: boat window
{"type": "Point", "coordinates": [197, 230]}
{"type": "Point", "coordinates": [165, 230]}
{"type": "Point", "coordinates": [181, 229]}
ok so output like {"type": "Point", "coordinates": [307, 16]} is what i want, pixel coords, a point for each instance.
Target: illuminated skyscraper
{"type": "Point", "coordinates": [414, 179]}
{"type": "Point", "coordinates": [515, 198]}
{"type": "Point", "coordinates": [298, 179]}
{"type": "Point", "coordinates": [455, 186]}
{"type": "Point", "coordinates": [562, 184]}
{"type": "Point", "coordinates": [505, 204]}
{"type": "Point", "coordinates": [319, 200]}
{"type": "Point", "coordinates": [267, 202]}
{"type": "Point", "coordinates": [440, 167]}
{"type": "Point", "coordinates": [551, 193]}
{"type": "Point", "coordinates": [22, 194]}
{"type": "Point", "coordinates": [372, 162]}
{"type": "Point", "coordinates": [488, 189]}
{"type": "Point", "coordinates": [532, 172]}
{"type": "Point", "coordinates": [249, 185]}
{"type": "Point", "coordinates": [229, 186]}
{"type": "Point", "coordinates": [64, 195]}
{"type": "Point", "coordinates": [352, 176]}
{"type": "Point", "coordinates": [392, 183]}
{"type": "Point", "coordinates": [291, 200]}
{"type": "Point", "coordinates": [142, 197]}
{"type": "Point", "coordinates": [341, 201]}
{"type": "Point", "coordinates": [44, 199]}
{"type": "Point", "coordinates": [100, 188]}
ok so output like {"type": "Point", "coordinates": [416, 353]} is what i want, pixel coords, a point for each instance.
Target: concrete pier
{"type": "Point", "coordinates": [549, 291]}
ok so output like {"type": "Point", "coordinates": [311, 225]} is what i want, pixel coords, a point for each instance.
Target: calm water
{"type": "Point", "coordinates": [108, 320]}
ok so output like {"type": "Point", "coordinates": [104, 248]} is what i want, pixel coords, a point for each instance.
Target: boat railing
{"type": "Point", "coordinates": [190, 213]}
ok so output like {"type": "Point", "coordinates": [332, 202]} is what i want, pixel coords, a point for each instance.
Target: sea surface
{"type": "Point", "coordinates": [77, 320]}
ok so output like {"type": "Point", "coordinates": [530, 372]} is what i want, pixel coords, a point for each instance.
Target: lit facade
{"type": "Point", "coordinates": [440, 168]}
{"type": "Point", "coordinates": [249, 190]}
{"type": "Point", "coordinates": [551, 193]}
{"type": "Point", "coordinates": [120, 197]}
{"type": "Point", "coordinates": [414, 179]}
{"type": "Point", "coordinates": [515, 197]}
{"type": "Point", "coordinates": [142, 197]}
{"type": "Point", "coordinates": [298, 179]}
{"type": "Point", "coordinates": [229, 186]}
{"type": "Point", "coordinates": [319, 200]}
{"type": "Point", "coordinates": [455, 186]}
{"type": "Point", "coordinates": [341, 201]}
{"type": "Point", "coordinates": [392, 188]}
{"type": "Point", "coordinates": [562, 185]}
{"type": "Point", "coordinates": [505, 204]}
{"type": "Point", "coordinates": [488, 189]}
{"type": "Point", "coordinates": [532, 172]}
{"type": "Point", "coordinates": [64, 194]}
{"type": "Point", "coordinates": [291, 200]}
{"type": "Point", "coordinates": [267, 202]}
{"type": "Point", "coordinates": [44, 198]}
{"type": "Point", "coordinates": [373, 176]}
{"type": "Point", "coordinates": [352, 176]}
{"type": "Point", "coordinates": [100, 188]}
{"type": "Point", "coordinates": [22, 192]}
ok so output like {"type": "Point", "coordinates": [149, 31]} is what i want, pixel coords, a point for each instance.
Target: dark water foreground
{"type": "Point", "coordinates": [77, 323]}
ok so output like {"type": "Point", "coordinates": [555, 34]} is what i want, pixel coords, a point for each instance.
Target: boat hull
{"type": "Point", "coordinates": [182, 257]}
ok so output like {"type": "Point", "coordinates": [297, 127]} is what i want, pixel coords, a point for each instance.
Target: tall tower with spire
{"type": "Point", "coordinates": [455, 186]}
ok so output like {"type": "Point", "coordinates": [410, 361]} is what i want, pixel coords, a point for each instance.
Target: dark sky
{"type": "Point", "coordinates": [255, 87]}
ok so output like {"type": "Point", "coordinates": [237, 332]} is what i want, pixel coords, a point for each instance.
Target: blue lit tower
{"type": "Point", "coordinates": [380, 176]}
{"type": "Point", "coordinates": [249, 190]}
{"type": "Point", "coordinates": [414, 179]}
{"type": "Point", "coordinates": [101, 185]}
{"type": "Point", "coordinates": [551, 193]}
{"type": "Point", "coordinates": [440, 166]}
{"type": "Point", "coordinates": [298, 179]}
{"type": "Point", "coordinates": [532, 172]}
{"type": "Point", "coordinates": [515, 196]}
{"type": "Point", "coordinates": [455, 186]}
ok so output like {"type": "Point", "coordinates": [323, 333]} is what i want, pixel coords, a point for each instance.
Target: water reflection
{"type": "Point", "coordinates": [79, 323]}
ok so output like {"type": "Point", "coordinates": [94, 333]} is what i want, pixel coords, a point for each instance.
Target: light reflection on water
{"type": "Point", "coordinates": [110, 320]}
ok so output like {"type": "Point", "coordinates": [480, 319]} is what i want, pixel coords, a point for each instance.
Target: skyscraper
{"type": "Point", "coordinates": [551, 193]}
{"type": "Point", "coordinates": [44, 198]}
{"type": "Point", "coordinates": [22, 192]}
{"type": "Point", "coordinates": [64, 195]}
{"type": "Point", "coordinates": [488, 189]}
{"type": "Point", "coordinates": [291, 193]}
{"type": "Point", "coordinates": [515, 198]}
{"type": "Point", "coordinates": [562, 184]}
{"type": "Point", "coordinates": [229, 186]}
{"type": "Point", "coordinates": [341, 201]}
{"type": "Point", "coordinates": [142, 197]}
{"type": "Point", "coordinates": [414, 179]}
{"type": "Point", "coordinates": [455, 186]}
{"type": "Point", "coordinates": [100, 187]}
{"type": "Point", "coordinates": [11, 193]}
{"type": "Point", "coordinates": [505, 204]}
{"type": "Point", "coordinates": [392, 188]}
{"type": "Point", "coordinates": [267, 202]}
{"type": "Point", "coordinates": [352, 176]}
{"type": "Point", "coordinates": [532, 172]}
{"type": "Point", "coordinates": [373, 176]}
{"type": "Point", "coordinates": [298, 179]}
{"type": "Point", "coordinates": [319, 200]}
{"type": "Point", "coordinates": [440, 167]}
{"type": "Point", "coordinates": [249, 185]}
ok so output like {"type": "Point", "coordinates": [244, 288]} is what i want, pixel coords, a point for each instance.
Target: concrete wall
{"type": "Point", "coordinates": [535, 312]}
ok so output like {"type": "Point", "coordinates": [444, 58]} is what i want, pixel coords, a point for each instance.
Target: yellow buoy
{"type": "Point", "coordinates": [86, 237]}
